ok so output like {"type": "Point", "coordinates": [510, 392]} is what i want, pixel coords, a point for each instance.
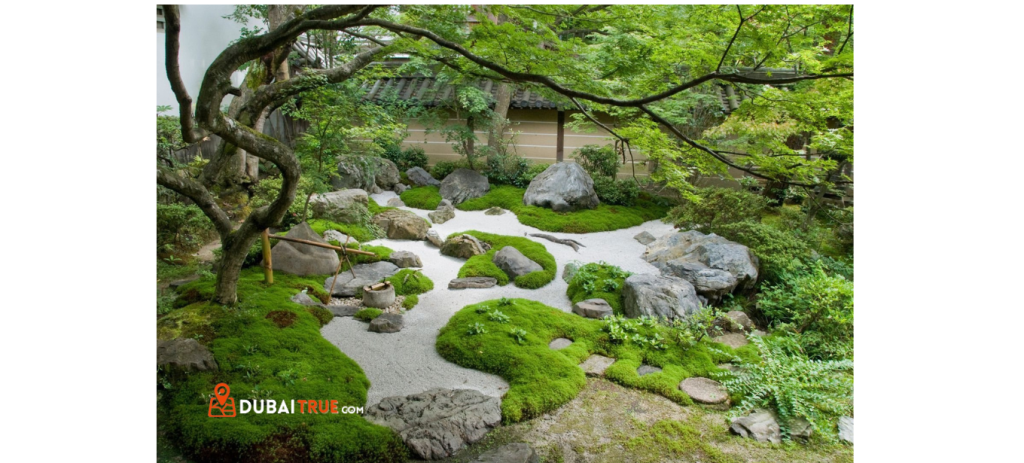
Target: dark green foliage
{"type": "Point", "coordinates": [181, 230]}
{"type": "Point", "coordinates": [408, 282]}
{"type": "Point", "coordinates": [794, 386]}
{"type": "Point", "coordinates": [481, 265]}
{"type": "Point", "coordinates": [542, 379]}
{"type": "Point", "coordinates": [717, 207]}
{"type": "Point", "coordinates": [604, 218]}
{"type": "Point", "coordinates": [620, 192]}
{"type": "Point", "coordinates": [368, 314]}
{"type": "Point", "coordinates": [598, 280]}
{"type": "Point", "coordinates": [598, 161]}
{"type": "Point", "coordinates": [443, 168]}
{"type": "Point", "coordinates": [817, 306]}
{"type": "Point", "coordinates": [422, 197]}
{"type": "Point", "coordinates": [357, 232]}
{"type": "Point", "coordinates": [508, 169]}
{"type": "Point", "coordinates": [405, 159]}
{"type": "Point", "coordinates": [257, 359]}
{"type": "Point", "coordinates": [775, 248]}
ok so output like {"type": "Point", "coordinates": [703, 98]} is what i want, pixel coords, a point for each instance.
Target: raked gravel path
{"type": "Point", "coordinates": [405, 363]}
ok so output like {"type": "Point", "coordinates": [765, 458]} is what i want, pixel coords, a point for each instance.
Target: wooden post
{"type": "Point", "coordinates": [560, 140]}
{"type": "Point", "coordinates": [268, 265]}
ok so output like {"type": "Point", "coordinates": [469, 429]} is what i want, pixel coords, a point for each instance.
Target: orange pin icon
{"type": "Point", "coordinates": [221, 391]}
{"type": "Point", "coordinates": [221, 406]}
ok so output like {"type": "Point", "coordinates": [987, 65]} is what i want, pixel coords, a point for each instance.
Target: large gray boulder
{"type": "Point", "coordinates": [703, 260]}
{"type": "Point", "coordinates": [400, 224]}
{"type": "Point", "coordinates": [366, 274]}
{"type": "Point", "coordinates": [463, 184]}
{"type": "Point", "coordinates": [760, 425]}
{"type": "Point", "coordinates": [438, 423]}
{"type": "Point", "coordinates": [421, 177]}
{"type": "Point", "coordinates": [658, 296]}
{"type": "Point", "coordinates": [184, 354]}
{"type": "Point", "coordinates": [464, 246]}
{"type": "Point", "coordinates": [562, 187]}
{"type": "Point", "coordinates": [445, 212]}
{"type": "Point", "coordinates": [303, 259]}
{"type": "Point", "coordinates": [510, 453]}
{"type": "Point", "coordinates": [514, 263]}
{"type": "Point", "coordinates": [345, 206]}
{"type": "Point", "coordinates": [370, 173]}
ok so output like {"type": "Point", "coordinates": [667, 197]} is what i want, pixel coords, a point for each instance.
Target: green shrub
{"type": "Point", "coordinates": [598, 161]}
{"type": "Point", "coordinates": [481, 265]}
{"type": "Point", "coordinates": [410, 301]}
{"type": "Point", "coordinates": [604, 218]}
{"type": "Point", "coordinates": [598, 280]}
{"type": "Point", "coordinates": [443, 168]}
{"type": "Point", "coordinates": [717, 207]}
{"type": "Point", "coordinates": [409, 282]}
{"type": "Point", "coordinates": [775, 248]}
{"type": "Point", "coordinates": [181, 230]}
{"type": "Point", "coordinates": [533, 171]}
{"type": "Point", "coordinates": [422, 197]}
{"type": "Point", "coordinates": [508, 169]}
{"type": "Point", "coordinates": [542, 379]}
{"type": "Point", "coordinates": [794, 386]}
{"type": "Point", "coordinates": [816, 305]}
{"type": "Point", "coordinates": [258, 359]}
{"type": "Point", "coordinates": [620, 192]}
{"type": "Point", "coordinates": [405, 159]}
{"type": "Point", "coordinates": [368, 314]}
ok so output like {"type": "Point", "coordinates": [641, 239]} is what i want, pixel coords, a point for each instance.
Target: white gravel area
{"type": "Point", "coordinates": [405, 363]}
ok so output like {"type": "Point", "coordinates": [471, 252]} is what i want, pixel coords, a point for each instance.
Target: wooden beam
{"type": "Point", "coordinates": [560, 143]}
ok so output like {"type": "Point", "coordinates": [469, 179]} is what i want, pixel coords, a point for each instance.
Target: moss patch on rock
{"type": "Point", "coordinates": [482, 265]}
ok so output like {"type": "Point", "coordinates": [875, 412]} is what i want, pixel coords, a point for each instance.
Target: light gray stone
{"type": "Point", "coordinates": [366, 274]}
{"type": "Point", "coordinates": [304, 299]}
{"type": "Point", "coordinates": [472, 282]}
{"type": "Point", "coordinates": [658, 296]}
{"type": "Point", "coordinates": [494, 210]}
{"type": "Point", "coordinates": [760, 425]}
{"type": "Point", "coordinates": [433, 238]}
{"type": "Point", "coordinates": [445, 212]}
{"type": "Point", "coordinates": [400, 188]}
{"type": "Point", "coordinates": [734, 340]}
{"type": "Point", "coordinates": [335, 235]}
{"type": "Point", "coordinates": [386, 323]}
{"type": "Point", "coordinates": [695, 256]}
{"type": "Point", "coordinates": [704, 390]}
{"type": "Point", "coordinates": [438, 423]}
{"type": "Point", "coordinates": [570, 271]}
{"type": "Point", "coordinates": [647, 369]}
{"type": "Point", "coordinates": [343, 310]}
{"type": "Point", "coordinates": [514, 263]}
{"type": "Point", "coordinates": [801, 428]}
{"type": "Point", "coordinates": [510, 453]}
{"type": "Point", "coordinates": [420, 177]}
{"type": "Point", "coordinates": [734, 321]}
{"type": "Point", "coordinates": [846, 429]}
{"type": "Point", "coordinates": [401, 225]}
{"type": "Point", "coordinates": [592, 308]}
{"type": "Point", "coordinates": [711, 283]}
{"type": "Point", "coordinates": [562, 187]}
{"type": "Point", "coordinates": [405, 259]}
{"type": "Point", "coordinates": [464, 246]}
{"type": "Point", "coordinates": [595, 365]}
{"type": "Point", "coordinates": [303, 259]}
{"type": "Point", "coordinates": [370, 173]}
{"type": "Point", "coordinates": [345, 206]}
{"type": "Point", "coordinates": [396, 202]}
{"type": "Point", "coordinates": [463, 184]}
{"type": "Point", "coordinates": [184, 354]}
{"type": "Point", "coordinates": [560, 343]}
{"type": "Point", "coordinates": [645, 237]}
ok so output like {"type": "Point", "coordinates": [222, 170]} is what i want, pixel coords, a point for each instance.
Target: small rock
{"type": "Point", "coordinates": [511, 453]}
{"type": "Point", "coordinates": [472, 282]}
{"type": "Point", "coordinates": [386, 323]}
{"type": "Point", "coordinates": [433, 238]}
{"type": "Point", "coordinates": [592, 308]}
{"type": "Point", "coordinates": [646, 370]}
{"type": "Point", "coordinates": [405, 259]}
{"type": "Point", "coordinates": [801, 428]}
{"type": "Point", "coordinates": [185, 354]}
{"type": "Point", "coordinates": [514, 263]}
{"type": "Point", "coordinates": [734, 340]}
{"type": "Point", "coordinates": [595, 365]}
{"type": "Point", "coordinates": [445, 212]}
{"type": "Point", "coordinates": [759, 425]}
{"type": "Point", "coordinates": [176, 283]}
{"type": "Point", "coordinates": [304, 299]}
{"type": "Point", "coordinates": [846, 429]}
{"type": "Point", "coordinates": [740, 321]}
{"type": "Point", "coordinates": [570, 271]}
{"type": "Point", "coordinates": [463, 246]}
{"type": "Point", "coordinates": [494, 210]}
{"type": "Point", "coordinates": [704, 390]}
{"type": "Point", "coordinates": [560, 343]}
{"type": "Point", "coordinates": [396, 202]}
{"type": "Point", "coordinates": [645, 238]}
{"type": "Point", "coordinates": [420, 177]}
{"type": "Point", "coordinates": [400, 188]}
{"type": "Point", "coordinates": [335, 235]}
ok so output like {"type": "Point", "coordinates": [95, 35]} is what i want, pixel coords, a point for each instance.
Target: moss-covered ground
{"type": "Point", "coordinates": [268, 347]}
{"type": "Point", "coordinates": [600, 281]}
{"type": "Point", "coordinates": [482, 265]}
{"type": "Point", "coordinates": [422, 197]}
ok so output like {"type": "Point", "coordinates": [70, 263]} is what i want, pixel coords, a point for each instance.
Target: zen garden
{"type": "Point", "coordinates": [505, 233]}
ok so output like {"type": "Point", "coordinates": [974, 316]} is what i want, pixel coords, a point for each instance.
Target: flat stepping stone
{"type": "Point", "coordinates": [647, 369]}
{"type": "Point", "coordinates": [386, 323]}
{"type": "Point", "coordinates": [734, 340]}
{"type": "Point", "coordinates": [494, 211]}
{"type": "Point", "coordinates": [645, 238]}
{"type": "Point", "coordinates": [704, 391]}
{"type": "Point", "coordinates": [560, 343]}
{"type": "Point", "coordinates": [343, 310]}
{"type": "Point", "coordinates": [592, 308]}
{"type": "Point", "coordinates": [595, 365]}
{"type": "Point", "coordinates": [472, 282]}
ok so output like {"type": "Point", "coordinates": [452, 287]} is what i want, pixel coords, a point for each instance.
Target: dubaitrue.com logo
{"type": "Point", "coordinates": [223, 406]}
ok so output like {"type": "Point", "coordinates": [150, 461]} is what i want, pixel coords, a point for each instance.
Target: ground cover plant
{"type": "Point", "coordinates": [514, 345]}
{"type": "Point", "coordinates": [603, 218]}
{"type": "Point", "coordinates": [422, 197]}
{"type": "Point", "coordinates": [482, 266]}
{"type": "Point", "coordinates": [269, 348]}
{"type": "Point", "coordinates": [410, 283]}
{"type": "Point", "coordinates": [598, 280]}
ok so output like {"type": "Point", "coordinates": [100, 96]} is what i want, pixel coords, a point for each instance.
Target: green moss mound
{"type": "Point", "coordinates": [603, 218]}
{"type": "Point", "coordinates": [410, 282]}
{"type": "Point", "coordinates": [259, 359]}
{"type": "Point", "coordinates": [368, 314]}
{"type": "Point", "coordinates": [422, 197]}
{"type": "Point", "coordinates": [481, 265]}
{"type": "Point", "coordinates": [541, 379]}
{"type": "Point", "coordinates": [598, 280]}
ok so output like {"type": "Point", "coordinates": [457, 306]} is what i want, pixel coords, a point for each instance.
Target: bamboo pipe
{"type": "Point", "coordinates": [268, 266]}
{"type": "Point", "coordinates": [328, 246]}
